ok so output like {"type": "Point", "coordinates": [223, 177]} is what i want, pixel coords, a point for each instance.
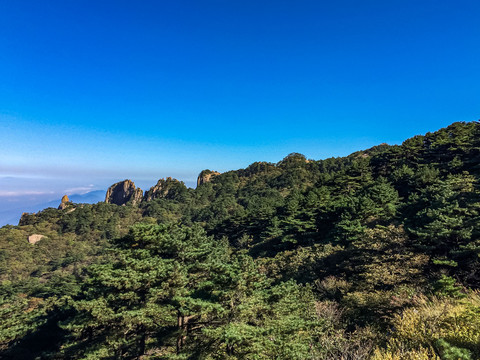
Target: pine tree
{"type": "Point", "coordinates": [151, 295]}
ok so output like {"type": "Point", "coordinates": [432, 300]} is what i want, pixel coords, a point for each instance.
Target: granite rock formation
{"type": "Point", "coordinates": [64, 203]}
{"type": "Point", "coordinates": [124, 192]}
{"type": "Point", "coordinates": [165, 189]}
{"type": "Point", "coordinates": [205, 176]}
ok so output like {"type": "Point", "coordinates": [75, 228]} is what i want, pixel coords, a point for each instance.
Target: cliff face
{"type": "Point", "coordinates": [123, 192]}
{"type": "Point", "coordinates": [205, 176]}
{"type": "Point", "coordinates": [165, 189]}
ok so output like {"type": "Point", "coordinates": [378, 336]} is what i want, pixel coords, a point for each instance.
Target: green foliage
{"type": "Point", "coordinates": [450, 352]}
{"type": "Point", "coordinates": [446, 286]}
{"type": "Point", "coordinates": [19, 316]}
{"type": "Point", "coordinates": [371, 256]}
{"type": "Point", "coordinates": [157, 277]}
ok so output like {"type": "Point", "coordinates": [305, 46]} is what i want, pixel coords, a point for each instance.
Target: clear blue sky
{"type": "Point", "coordinates": [92, 92]}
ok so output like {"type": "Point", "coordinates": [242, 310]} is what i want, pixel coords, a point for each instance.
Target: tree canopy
{"type": "Point", "coordinates": [370, 256]}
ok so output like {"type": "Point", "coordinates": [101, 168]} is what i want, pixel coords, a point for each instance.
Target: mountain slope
{"type": "Point", "coordinates": [347, 257]}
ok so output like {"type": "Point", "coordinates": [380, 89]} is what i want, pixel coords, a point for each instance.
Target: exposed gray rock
{"type": "Point", "coordinates": [124, 192]}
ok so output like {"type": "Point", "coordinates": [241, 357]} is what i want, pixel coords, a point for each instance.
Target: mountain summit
{"type": "Point", "coordinates": [123, 192]}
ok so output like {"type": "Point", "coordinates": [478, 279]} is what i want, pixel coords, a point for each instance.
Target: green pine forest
{"type": "Point", "coordinates": [370, 256]}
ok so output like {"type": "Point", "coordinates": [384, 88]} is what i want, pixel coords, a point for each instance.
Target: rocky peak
{"type": "Point", "coordinates": [124, 192]}
{"type": "Point", "coordinates": [165, 189]}
{"type": "Point", "coordinates": [205, 176]}
{"type": "Point", "coordinates": [64, 202]}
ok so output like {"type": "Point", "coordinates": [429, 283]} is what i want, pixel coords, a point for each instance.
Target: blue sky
{"type": "Point", "coordinates": [92, 92]}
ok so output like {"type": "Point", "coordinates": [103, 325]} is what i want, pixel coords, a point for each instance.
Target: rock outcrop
{"type": "Point", "coordinates": [24, 219]}
{"type": "Point", "coordinates": [205, 176]}
{"type": "Point", "coordinates": [124, 192]}
{"type": "Point", "coordinates": [165, 189]}
{"type": "Point", "coordinates": [64, 203]}
{"type": "Point", "coordinates": [34, 238]}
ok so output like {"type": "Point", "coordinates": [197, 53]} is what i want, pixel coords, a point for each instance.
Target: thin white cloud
{"type": "Point", "coordinates": [8, 176]}
{"type": "Point", "coordinates": [79, 190]}
{"type": "Point", "coordinates": [24, 193]}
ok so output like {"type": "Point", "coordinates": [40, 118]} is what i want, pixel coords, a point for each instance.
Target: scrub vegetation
{"type": "Point", "coordinates": [370, 256]}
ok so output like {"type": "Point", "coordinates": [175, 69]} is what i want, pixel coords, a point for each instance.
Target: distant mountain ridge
{"type": "Point", "coordinates": [11, 217]}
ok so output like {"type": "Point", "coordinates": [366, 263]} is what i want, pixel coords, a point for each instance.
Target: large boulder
{"type": "Point", "coordinates": [205, 176]}
{"type": "Point", "coordinates": [34, 238]}
{"type": "Point", "coordinates": [64, 202]}
{"type": "Point", "coordinates": [166, 189]}
{"type": "Point", "coordinates": [124, 192]}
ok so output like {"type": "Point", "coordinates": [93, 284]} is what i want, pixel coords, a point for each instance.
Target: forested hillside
{"type": "Point", "coordinates": [370, 256]}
